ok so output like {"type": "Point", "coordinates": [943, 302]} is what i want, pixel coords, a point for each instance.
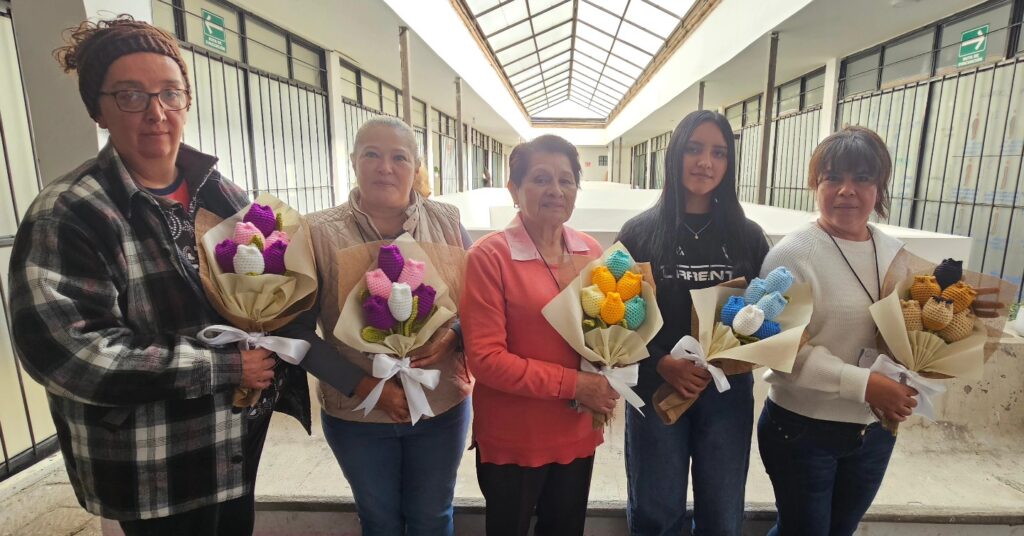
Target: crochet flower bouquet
{"type": "Point", "coordinates": [258, 271]}
{"type": "Point", "coordinates": [740, 327]}
{"type": "Point", "coordinates": [929, 329]}
{"type": "Point", "coordinates": [608, 314]}
{"type": "Point", "coordinates": [393, 309]}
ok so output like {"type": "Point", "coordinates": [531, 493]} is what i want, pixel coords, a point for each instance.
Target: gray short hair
{"type": "Point", "coordinates": [392, 122]}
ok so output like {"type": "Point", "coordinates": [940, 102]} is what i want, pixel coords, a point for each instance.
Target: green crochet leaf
{"type": "Point", "coordinates": [372, 334]}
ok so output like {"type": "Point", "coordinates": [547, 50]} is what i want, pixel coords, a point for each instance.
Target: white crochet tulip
{"type": "Point", "coordinates": [400, 301]}
{"type": "Point", "coordinates": [248, 260]}
{"type": "Point", "coordinates": [748, 320]}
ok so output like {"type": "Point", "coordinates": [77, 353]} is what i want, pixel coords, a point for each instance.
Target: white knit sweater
{"type": "Point", "coordinates": [826, 382]}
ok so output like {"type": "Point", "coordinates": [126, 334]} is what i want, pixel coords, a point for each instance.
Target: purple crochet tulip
{"type": "Point", "coordinates": [377, 313]}
{"type": "Point", "coordinates": [224, 253]}
{"type": "Point", "coordinates": [426, 294]}
{"type": "Point", "coordinates": [273, 258]}
{"type": "Point", "coordinates": [391, 262]}
{"type": "Point", "coordinates": [262, 216]}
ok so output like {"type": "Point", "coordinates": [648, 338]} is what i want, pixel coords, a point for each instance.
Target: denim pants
{"type": "Point", "coordinates": [825, 473]}
{"type": "Point", "coordinates": [402, 476]}
{"type": "Point", "coordinates": [715, 433]}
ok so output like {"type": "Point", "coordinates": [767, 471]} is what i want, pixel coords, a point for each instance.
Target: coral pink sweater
{"type": "Point", "coordinates": [525, 372]}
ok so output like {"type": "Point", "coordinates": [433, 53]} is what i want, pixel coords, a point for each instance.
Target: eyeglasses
{"type": "Point", "coordinates": [135, 101]}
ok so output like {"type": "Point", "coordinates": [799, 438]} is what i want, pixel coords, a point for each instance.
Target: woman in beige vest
{"type": "Point", "coordinates": [402, 476]}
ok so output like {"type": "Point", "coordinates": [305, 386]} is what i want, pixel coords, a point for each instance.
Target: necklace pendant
{"type": "Point", "coordinates": [696, 236]}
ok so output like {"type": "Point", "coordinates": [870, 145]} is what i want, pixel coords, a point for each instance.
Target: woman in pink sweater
{"type": "Point", "coordinates": [535, 451]}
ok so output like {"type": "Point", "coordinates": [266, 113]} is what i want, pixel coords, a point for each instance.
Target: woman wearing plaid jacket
{"type": "Point", "coordinates": [106, 302]}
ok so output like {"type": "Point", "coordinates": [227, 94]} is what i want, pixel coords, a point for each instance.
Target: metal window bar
{"type": "Point", "coordinates": [956, 142]}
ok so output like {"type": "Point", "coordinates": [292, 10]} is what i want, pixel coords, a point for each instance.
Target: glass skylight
{"type": "Point", "coordinates": [575, 59]}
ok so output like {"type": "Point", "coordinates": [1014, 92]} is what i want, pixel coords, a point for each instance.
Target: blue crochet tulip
{"type": "Point", "coordinates": [755, 291]}
{"type": "Point", "coordinates": [730, 309]}
{"type": "Point", "coordinates": [768, 329]}
{"type": "Point", "coordinates": [772, 305]}
{"type": "Point", "coordinates": [636, 312]}
{"type": "Point", "coordinates": [778, 280]}
{"type": "Point", "coordinates": [618, 262]}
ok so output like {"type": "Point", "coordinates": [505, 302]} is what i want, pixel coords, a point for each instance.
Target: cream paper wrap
{"type": "Point", "coordinates": [262, 303]}
{"type": "Point", "coordinates": [963, 358]}
{"type": "Point", "coordinates": [351, 321]}
{"type": "Point", "coordinates": [777, 352]}
{"type": "Point", "coordinates": [611, 347]}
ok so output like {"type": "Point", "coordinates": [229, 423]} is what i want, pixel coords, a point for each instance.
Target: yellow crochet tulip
{"type": "Point", "coordinates": [604, 279]}
{"type": "Point", "coordinates": [629, 285]}
{"type": "Point", "coordinates": [613, 310]}
{"type": "Point", "coordinates": [591, 297]}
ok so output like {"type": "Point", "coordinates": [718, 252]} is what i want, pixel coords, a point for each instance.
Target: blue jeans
{"type": "Point", "coordinates": [715, 433]}
{"type": "Point", "coordinates": [825, 473]}
{"type": "Point", "coordinates": [402, 476]}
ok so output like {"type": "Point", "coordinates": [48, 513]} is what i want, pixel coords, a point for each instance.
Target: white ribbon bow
{"type": "Point", "coordinates": [290, 350]}
{"type": "Point", "coordinates": [621, 379]}
{"type": "Point", "coordinates": [690, 349]}
{"type": "Point", "coordinates": [926, 388]}
{"type": "Point", "coordinates": [413, 380]}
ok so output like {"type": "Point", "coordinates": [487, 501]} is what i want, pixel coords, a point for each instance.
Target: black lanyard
{"type": "Point", "coordinates": [874, 248]}
{"type": "Point", "coordinates": [541, 255]}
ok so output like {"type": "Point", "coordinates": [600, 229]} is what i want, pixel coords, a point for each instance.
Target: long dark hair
{"type": "Point", "coordinates": [666, 216]}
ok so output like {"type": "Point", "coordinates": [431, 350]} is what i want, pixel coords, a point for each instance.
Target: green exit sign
{"type": "Point", "coordinates": [213, 32]}
{"type": "Point", "coordinates": [973, 45]}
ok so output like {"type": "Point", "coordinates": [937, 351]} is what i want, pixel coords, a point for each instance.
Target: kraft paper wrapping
{"type": "Point", "coordinates": [261, 303]}
{"type": "Point", "coordinates": [777, 352]}
{"type": "Point", "coordinates": [614, 346]}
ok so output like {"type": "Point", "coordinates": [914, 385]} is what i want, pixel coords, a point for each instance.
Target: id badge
{"type": "Point", "coordinates": [867, 357]}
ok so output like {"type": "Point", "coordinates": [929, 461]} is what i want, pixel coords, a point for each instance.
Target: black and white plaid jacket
{"type": "Point", "coordinates": [104, 315]}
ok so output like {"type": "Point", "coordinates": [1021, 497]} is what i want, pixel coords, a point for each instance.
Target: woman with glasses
{"type": "Point", "coordinates": [106, 303]}
{"type": "Point", "coordinates": [534, 451]}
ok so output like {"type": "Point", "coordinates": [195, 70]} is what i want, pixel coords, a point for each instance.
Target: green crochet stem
{"type": "Point", "coordinates": [745, 339]}
{"type": "Point", "coordinates": [364, 295]}
{"type": "Point", "coordinates": [418, 325]}
{"type": "Point", "coordinates": [407, 326]}
{"type": "Point", "coordinates": [278, 222]}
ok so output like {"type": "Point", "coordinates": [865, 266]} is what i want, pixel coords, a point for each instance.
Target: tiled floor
{"type": "Point", "coordinates": [938, 472]}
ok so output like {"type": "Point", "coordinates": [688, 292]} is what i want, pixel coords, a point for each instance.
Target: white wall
{"type": "Point", "coordinates": [65, 135]}
{"type": "Point", "coordinates": [588, 159]}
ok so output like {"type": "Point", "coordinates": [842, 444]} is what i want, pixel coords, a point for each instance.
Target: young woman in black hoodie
{"type": "Point", "coordinates": [695, 236]}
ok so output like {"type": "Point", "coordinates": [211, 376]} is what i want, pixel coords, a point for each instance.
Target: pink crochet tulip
{"type": "Point", "coordinates": [377, 313]}
{"type": "Point", "coordinates": [277, 236]}
{"type": "Point", "coordinates": [378, 283]}
{"type": "Point", "coordinates": [426, 295]}
{"type": "Point", "coordinates": [412, 273]}
{"type": "Point", "coordinates": [224, 253]}
{"type": "Point", "coordinates": [262, 216]}
{"type": "Point", "coordinates": [244, 231]}
{"type": "Point", "coordinates": [390, 260]}
{"type": "Point", "coordinates": [273, 258]}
